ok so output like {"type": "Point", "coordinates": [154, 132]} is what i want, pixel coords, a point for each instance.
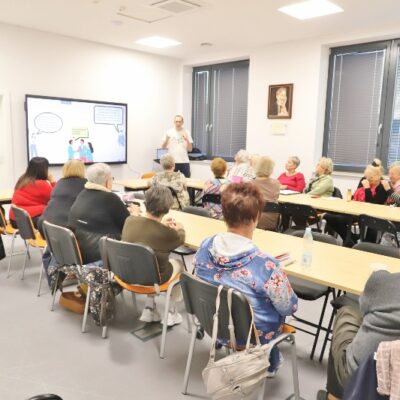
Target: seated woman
{"type": "Point", "coordinates": [216, 186]}
{"type": "Point", "coordinates": [162, 236]}
{"type": "Point", "coordinates": [57, 210]}
{"type": "Point", "coordinates": [269, 188]}
{"type": "Point", "coordinates": [232, 259]}
{"type": "Point", "coordinates": [64, 194]}
{"type": "Point", "coordinates": [291, 179]}
{"type": "Point", "coordinates": [97, 212]}
{"type": "Point", "coordinates": [358, 332]}
{"type": "Point", "coordinates": [33, 189]}
{"type": "Point", "coordinates": [371, 191]}
{"type": "Point", "coordinates": [322, 183]}
{"type": "Point", "coordinates": [174, 180]}
{"type": "Point", "coordinates": [241, 170]}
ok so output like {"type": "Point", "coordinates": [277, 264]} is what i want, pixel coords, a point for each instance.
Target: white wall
{"type": "Point", "coordinates": [34, 62]}
{"type": "Point", "coordinates": [305, 64]}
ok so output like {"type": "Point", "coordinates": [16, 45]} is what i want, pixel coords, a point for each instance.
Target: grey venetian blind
{"type": "Point", "coordinates": [394, 141]}
{"type": "Point", "coordinates": [353, 108]}
{"type": "Point", "coordinates": [219, 120]}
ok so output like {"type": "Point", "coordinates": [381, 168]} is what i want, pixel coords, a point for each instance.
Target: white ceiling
{"type": "Point", "coordinates": [231, 25]}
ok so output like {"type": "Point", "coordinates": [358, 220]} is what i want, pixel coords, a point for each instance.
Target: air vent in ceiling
{"type": "Point", "coordinates": [143, 13]}
{"type": "Point", "coordinates": [176, 6]}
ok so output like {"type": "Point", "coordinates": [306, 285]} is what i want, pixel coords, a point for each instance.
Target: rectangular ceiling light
{"type": "Point", "coordinates": [311, 9]}
{"type": "Point", "coordinates": [158, 42]}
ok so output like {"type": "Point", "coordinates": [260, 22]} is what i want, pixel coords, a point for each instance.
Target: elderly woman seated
{"type": "Point", "coordinates": [232, 259]}
{"type": "Point", "coordinates": [241, 171]}
{"type": "Point", "coordinates": [291, 179]}
{"type": "Point", "coordinates": [97, 212]}
{"type": "Point", "coordinates": [163, 236]}
{"type": "Point", "coordinates": [322, 183]}
{"type": "Point", "coordinates": [174, 180]}
{"type": "Point", "coordinates": [269, 188]}
{"type": "Point", "coordinates": [215, 186]}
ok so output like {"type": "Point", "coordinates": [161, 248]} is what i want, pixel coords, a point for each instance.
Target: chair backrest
{"type": "Point", "coordinates": [132, 263]}
{"type": "Point", "coordinates": [62, 244]}
{"type": "Point", "coordinates": [3, 221]}
{"type": "Point", "coordinates": [203, 212]}
{"type": "Point", "coordinates": [211, 198]}
{"type": "Point", "coordinates": [24, 223]}
{"type": "Point", "coordinates": [175, 195]}
{"type": "Point", "coordinates": [272, 207]}
{"type": "Point", "coordinates": [337, 193]}
{"type": "Point", "coordinates": [378, 249]}
{"type": "Point", "coordinates": [378, 224]}
{"type": "Point", "coordinates": [200, 296]}
{"type": "Point", "coordinates": [317, 236]}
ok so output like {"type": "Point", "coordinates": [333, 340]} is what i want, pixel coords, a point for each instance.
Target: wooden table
{"type": "Point", "coordinates": [143, 184]}
{"type": "Point", "coordinates": [6, 196]}
{"type": "Point", "coordinates": [334, 266]}
{"type": "Point", "coordinates": [336, 205]}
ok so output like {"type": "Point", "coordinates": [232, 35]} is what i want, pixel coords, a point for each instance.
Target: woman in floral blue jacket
{"type": "Point", "coordinates": [233, 260]}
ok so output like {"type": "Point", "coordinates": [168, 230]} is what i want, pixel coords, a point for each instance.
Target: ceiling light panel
{"type": "Point", "coordinates": [311, 9]}
{"type": "Point", "coordinates": [158, 42]}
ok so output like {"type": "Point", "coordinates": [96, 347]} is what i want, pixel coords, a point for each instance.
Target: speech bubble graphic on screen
{"type": "Point", "coordinates": [78, 133]}
{"type": "Point", "coordinates": [48, 122]}
{"type": "Point", "coordinates": [109, 115]}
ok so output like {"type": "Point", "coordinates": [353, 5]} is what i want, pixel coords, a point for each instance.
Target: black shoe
{"type": "Point", "coordinates": [322, 395]}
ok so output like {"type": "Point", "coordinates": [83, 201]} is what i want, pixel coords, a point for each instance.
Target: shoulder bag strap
{"type": "Point", "coordinates": [231, 326]}
{"type": "Point", "coordinates": [252, 329]}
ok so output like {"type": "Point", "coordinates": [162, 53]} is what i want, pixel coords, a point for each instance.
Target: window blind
{"type": "Point", "coordinates": [394, 141]}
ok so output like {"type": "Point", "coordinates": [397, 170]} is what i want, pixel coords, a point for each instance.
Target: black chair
{"type": "Point", "coordinates": [64, 248]}
{"type": "Point", "coordinates": [378, 249]}
{"type": "Point", "coordinates": [301, 213]}
{"type": "Point", "coordinates": [175, 196]}
{"type": "Point", "coordinates": [337, 193]}
{"type": "Point", "coordinates": [379, 225]}
{"type": "Point", "coordinates": [274, 208]}
{"type": "Point", "coordinates": [46, 397]}
{"type": "Point", "coordinates": [185, 250]}
{"type": "Point", "coordinates": [31, 237]}
{"type": "Point", "coordinates": [135, 269]}
{"type": "Point", "coordinates": [211, 198]}
{"type": "Point", "coordinates": [310, 291]}
{"type": "Point", "coordinates": [200, 297]}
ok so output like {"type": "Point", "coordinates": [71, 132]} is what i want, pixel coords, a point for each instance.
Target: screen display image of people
{"type": "Point", "coordinates": [64, 129]}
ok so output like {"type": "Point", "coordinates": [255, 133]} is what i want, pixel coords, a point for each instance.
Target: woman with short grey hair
{"type": "Point", "coordinates": [100, 174]}
{"type": "Point", "coordinates": [163, 235]}
{"type": "Point", "coordinates": [291, 179]}
{"type": "Point", "coordinates": [174, 180]}
{"type": "Point", "coordinates": [241, 171]}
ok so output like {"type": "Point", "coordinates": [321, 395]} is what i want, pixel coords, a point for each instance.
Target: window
{"type": "Point", "coordinates": [362, 119]}
{"type": "Point", "coordinates": [219, 112]}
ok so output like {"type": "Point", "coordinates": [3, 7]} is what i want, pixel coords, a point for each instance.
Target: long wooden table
{"type": "Point", "coordinates": [334, 266]}
{"type": "Point", "coordinates": [336, 205]}
{"type": "Point", "coordinates": [143, 184]}
{"type": "Point", "coordinates": [6, 196]}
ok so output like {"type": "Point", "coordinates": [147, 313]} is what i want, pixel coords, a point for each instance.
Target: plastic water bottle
{"type": "Point", "coordinates": [306, 259]}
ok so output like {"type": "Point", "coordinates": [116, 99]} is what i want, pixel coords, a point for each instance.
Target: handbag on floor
{"type": "Point", "coordinates": [241, 374]}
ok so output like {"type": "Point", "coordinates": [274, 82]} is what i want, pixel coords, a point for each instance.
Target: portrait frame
{"type": "Point", "coordinates": [273, 112]}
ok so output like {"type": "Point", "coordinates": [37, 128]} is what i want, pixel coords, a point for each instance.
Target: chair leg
{"type": "Point", "coordinates": [85, 314]}
{"type": "Point", "coordinates": [104, 332]}
{"type": "Point", "coordinates": [165, 319]}
{"type": "Point", "coordinates": [11, 255]}
{"type": "Point", "coordinates": [321, 319]}
{"type": "Point", "coordinates": [41, 274]}
{"type": "Point", "coordinates": [54, 292]}
{"type": "Point", "coordinates": [184, 263]}
{"type": "Point", "coordinates": [321, 356]}
{"type": "Point", "coordinates": [23, 268]}
{"type": "Point", "coordinates": [295, 373]}
{"type": "Point", "coordinates": [135, 308]}
{"type": "Point", "coordinates": [189, 359]}
{"type": "Point", "coordinates": [189, 324]}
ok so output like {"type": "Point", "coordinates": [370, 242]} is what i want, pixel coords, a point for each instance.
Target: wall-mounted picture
{"type": "Point", "coordinates": [280, 101]}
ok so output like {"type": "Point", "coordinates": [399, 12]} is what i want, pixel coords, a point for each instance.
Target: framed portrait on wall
{"type": "Point", "coordinates": [280, 101]}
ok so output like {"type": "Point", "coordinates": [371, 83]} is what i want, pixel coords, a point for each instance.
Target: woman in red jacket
{"type": "Point", "coordinates": [33, 189]}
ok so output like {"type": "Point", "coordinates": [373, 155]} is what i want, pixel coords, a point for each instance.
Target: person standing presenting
{"type": "Point", "coordinates": [179, 142]}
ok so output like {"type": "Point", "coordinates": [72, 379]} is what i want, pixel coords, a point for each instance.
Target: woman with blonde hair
{"type": "Point", "coordinates": [269, 187]}
{"type": "Point", "coordinates": [215, 186]}
{"type": "Point", "coordinates": [322, 183]}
